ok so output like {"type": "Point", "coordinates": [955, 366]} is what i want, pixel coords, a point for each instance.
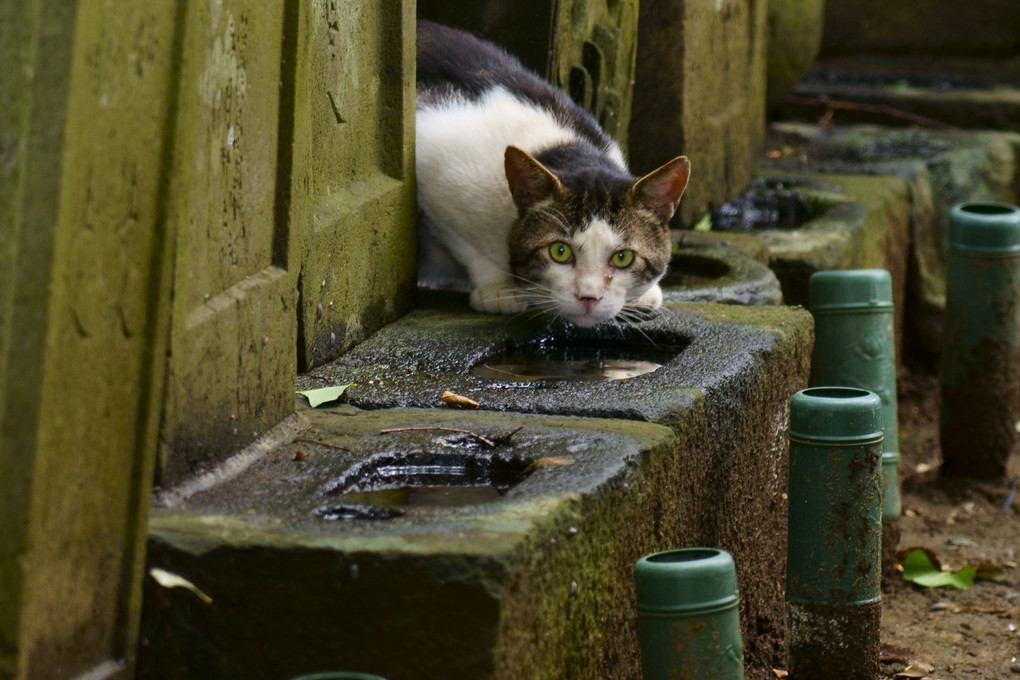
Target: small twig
{"type": "Point", "coordinates": [870, 108]}
{"type": "Point", "coordinates": [316, 441]}
{"type": "Point", "coordinates": [487, 442]}
{"type": "Point", "coordinates": [517, 376]}
{"type": "Point", "coordinates": [505, 438]}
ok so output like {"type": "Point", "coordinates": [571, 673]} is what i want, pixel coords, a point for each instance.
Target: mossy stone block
{"type": "Point", "coordinates": [87, 97]}
{"type": "Point", "coordinates": [724, 393]}
{"type": "Point", "coordinates": [703, 269]}
{"type": "Point", "coordinates": [794, 36]}
{"type": "Point", "coordinates": [352, 190]}
{"type": "Point", "coordinates": [535, 583]}
{"type": "Point", "coordinates": [234, 327]}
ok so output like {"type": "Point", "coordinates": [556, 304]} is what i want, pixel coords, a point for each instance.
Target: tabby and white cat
{"type": "Point", "coordinates": [523, 198]}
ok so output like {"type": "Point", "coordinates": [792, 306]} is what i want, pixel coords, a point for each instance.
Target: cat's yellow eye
{"type": "Point", "coordinates": [622, 258]}
{"type": "Point", "coordinates": [561, 252]}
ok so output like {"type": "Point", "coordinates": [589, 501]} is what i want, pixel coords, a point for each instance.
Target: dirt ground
{"type": "Point", "coordinates": [945, 632]}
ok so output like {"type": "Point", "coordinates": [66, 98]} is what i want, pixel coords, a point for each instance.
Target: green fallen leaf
{"type": "Point", "coordinates": [704, 224]}
{"type": "Point", "coordinates": [169, 579]}
{"type": "Point", "coordinates": [324, 394]}
{"type": "Point", "coordinates": [918, 568]}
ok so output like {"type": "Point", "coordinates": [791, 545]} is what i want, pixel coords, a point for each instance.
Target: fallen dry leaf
{"type": "Point", "coordinates": [453, 399]}
{"type": "Point", "coordinates": [780, 673]}
{"type": "Point", "coordinates": [549, 461]}
{"type": "Point", "coordinates": [168, 579]}
{"type": "Point", "coordinates": [915, 670]}
{"type": "Point", "coordinates": [987, 571]}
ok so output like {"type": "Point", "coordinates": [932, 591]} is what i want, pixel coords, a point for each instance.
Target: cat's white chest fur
{"type": "Point", "coordinates": [462, 186]}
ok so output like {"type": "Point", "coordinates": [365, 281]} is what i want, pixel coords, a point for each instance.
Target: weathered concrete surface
{"type": "Point", "coordinates": [234, 326]}
{"type": "Point", "coordinates": [489, 590]}
{"type": "Point", "coordinates": [703, 269]}
{"type": "Point", "coordinates": [748, 245]}
{"type": "Point", "coordinates": [794, 36]}
{"type": "Point", "coordinates": [735, 364]}
{"type": "Point", "coordinates": [941, 168]}
{"type": "Point", "coordinates": [700, 90]}
{"type": "Point", "coordinates": [585, 47]}
{"type": "Point", "coordinates": [350, 66]}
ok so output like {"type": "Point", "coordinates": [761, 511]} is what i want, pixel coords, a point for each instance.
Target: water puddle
{"type": "Point", "coordinates": [420, 479]}
{"type": "Point", "coordinates": [550, 360]}
{"type": "Point", "coordinates": [760, 207]}
{"type": "Point", "coordinates": [436, 496]}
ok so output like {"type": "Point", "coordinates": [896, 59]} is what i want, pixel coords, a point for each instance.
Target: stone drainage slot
{"type": "Point", "coordinates": [383, 486]}
{"type": "Point", "coordinates": [588, 359]}
{"type": "Point", "coordinates": [780, 207]}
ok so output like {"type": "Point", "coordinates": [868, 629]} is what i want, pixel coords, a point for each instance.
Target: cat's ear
{"type": "Point", "coordinates": [660, 190]}
{"type": "Point", "coordinates": [530, 181]}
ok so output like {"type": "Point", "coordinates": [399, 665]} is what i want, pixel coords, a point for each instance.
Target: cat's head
{"type": "Point", "coordinates": [590, 241]}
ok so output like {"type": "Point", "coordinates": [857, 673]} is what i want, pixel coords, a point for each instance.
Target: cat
{"type": "Point", "coordinates": [523, 198]}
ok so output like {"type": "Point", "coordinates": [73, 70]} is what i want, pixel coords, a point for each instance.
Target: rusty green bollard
{"type": "Point", "coordinates": [979, 425]}
{"type": "Point", "coordinates": [688, 624]}
{"type": "Point", "coordinates": [855, 347]}
{"type": "Point", "coordinates": [833, 573]}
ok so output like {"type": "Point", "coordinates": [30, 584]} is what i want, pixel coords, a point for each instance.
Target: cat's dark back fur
{"type": "Point", "coordinates": [450, 59]}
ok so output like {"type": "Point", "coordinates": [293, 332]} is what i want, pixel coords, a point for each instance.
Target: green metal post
{"type": "Point", "coordinates": [688, 622]}
{"type": "Point", "coordinates": [980, 369]}
{"type": "Point", "coordinates": [833, 578]}
{"type": "Point", "coordinates": [855, 347]}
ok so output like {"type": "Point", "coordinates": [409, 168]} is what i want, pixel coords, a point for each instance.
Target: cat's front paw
{"type": "Point", "coordinates": [500, 298]}
{"type": "Point", "coordinates": [651, 298]}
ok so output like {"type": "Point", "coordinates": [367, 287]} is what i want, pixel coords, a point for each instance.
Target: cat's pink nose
{"type": "Point", "coordinates": [589, 303]}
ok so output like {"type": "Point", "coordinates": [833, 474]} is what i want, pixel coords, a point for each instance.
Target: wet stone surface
{"type": "Point", "coordinates": [411, 362]}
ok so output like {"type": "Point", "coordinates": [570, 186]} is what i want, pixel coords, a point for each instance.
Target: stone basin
{"type": "Point", "coordinates": [703, 270]}
{"type": "Point", "coordinates": [410, 363]}
{"type": "Point", "coordinates": [814, 222]}
{"type": "Point", "coordinates": [492, 589]}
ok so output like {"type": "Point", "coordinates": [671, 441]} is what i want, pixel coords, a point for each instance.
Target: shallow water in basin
{"type": "Point", "coordinates": [422, 479]}
{"type": "Point", "coordinates": [438, 495]}
{"type": "Point", "coordinates": [589, 360]}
